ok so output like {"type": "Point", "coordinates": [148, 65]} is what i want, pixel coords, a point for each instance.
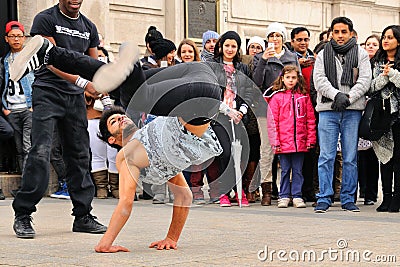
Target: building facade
{"type": "Point", "coordinates": [128, 20]}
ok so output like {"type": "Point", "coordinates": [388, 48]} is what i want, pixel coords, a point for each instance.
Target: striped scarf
{"type": "Point", "coordinates": [350, 52]}
{"type": "Point", "coordinates": [205, 55]}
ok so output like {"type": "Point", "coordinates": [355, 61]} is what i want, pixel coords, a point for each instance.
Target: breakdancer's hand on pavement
{"type": "Point", "coordinates": [167, 244]}
{"type": "Point", "coordinates": [110, 249]}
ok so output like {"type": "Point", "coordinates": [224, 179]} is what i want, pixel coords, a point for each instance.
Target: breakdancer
{"type": "Point", "coordinates": [188, 94]}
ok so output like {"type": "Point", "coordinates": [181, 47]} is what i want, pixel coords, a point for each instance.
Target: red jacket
{"type": "Point", "coordinates": [291, 121]}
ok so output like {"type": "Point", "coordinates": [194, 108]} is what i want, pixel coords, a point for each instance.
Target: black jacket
{"type": "Point", "coordinates": [246, 88]}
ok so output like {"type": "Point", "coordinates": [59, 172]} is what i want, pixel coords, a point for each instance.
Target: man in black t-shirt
{"type": "Point", "coordinates": [58, 100]}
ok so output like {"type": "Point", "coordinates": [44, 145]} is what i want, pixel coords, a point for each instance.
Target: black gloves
{"type": "Point", "coordinates": [341, 102]}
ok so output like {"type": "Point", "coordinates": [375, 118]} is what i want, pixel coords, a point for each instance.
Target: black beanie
{"type": "Point", "coordinates": [231, 35]}
{"type": "Point", "coordinates": [152, 35]}
{"type": "Point", "coordinates": [162, 47]}
{"type": "Point", "coordinates": [228, 35]}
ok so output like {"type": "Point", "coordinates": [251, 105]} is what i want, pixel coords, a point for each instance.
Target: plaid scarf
{"type": "Point", "coordinates": [349, 51]}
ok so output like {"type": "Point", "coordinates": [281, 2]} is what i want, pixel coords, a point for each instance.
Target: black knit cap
{"type": "Point", "coordinates": [231, 35]}
{"type": "Point", "coordinates": [162, 47]}
{"type": "Point", "coordinates": [152, 35]}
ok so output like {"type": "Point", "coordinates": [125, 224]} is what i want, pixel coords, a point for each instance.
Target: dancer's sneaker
{"type": "Point", "coordinates": [32, 57]}
{"type": "Point", "coordinates": [88, 224]}
{"type": "Point", "coordinates": [112, 75]}
{"type": "Point", "coordinates": [23, 227]}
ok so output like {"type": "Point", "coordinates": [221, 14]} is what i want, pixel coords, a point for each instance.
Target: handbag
{"type": "Point", "coordinates": [376, 119]}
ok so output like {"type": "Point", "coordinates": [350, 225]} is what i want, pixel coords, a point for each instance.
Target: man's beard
{"type": "Point", "coordinates": [129, 130]}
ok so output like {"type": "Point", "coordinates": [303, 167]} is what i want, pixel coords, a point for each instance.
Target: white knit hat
{"type": "Point", "coordinates": [277, 27]}
{"type": "Point", "coordinates": [256, 40]}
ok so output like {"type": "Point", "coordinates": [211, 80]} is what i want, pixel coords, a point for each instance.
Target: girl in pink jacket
{"type": "Point", "coordinates": [291, 131]}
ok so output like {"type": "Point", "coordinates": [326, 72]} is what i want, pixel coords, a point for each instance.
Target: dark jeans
{"type": "Point", "coordinates": [22, 125]}
{"type": "Point", "coordinates": [6, 131]}
{"type": "Point", "coordinates": [69, 112]}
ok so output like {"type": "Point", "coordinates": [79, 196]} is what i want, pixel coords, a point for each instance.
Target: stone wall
{"type": "Point", "coordinates": [128, 20]}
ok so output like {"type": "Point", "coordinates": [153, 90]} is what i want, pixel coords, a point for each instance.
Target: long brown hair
{"type": "Point", "coordinates": [193, 45]}
{"type": "Point", "coordinates": [300, 86]}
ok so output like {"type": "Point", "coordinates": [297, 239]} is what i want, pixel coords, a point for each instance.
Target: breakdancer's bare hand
{"type": "Point", "coordinates": [167, 244]}
{"type": "Point", "coordinates": [110, 249]}
{"type": "Point", "coordinates": [89, 89]}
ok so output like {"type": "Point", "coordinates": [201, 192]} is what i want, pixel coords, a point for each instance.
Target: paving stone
{"type": "Point", "coordinates": [213, 236]}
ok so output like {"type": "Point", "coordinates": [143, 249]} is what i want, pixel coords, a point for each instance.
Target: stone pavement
{"type": "Point", "coordinates": [213, 236]}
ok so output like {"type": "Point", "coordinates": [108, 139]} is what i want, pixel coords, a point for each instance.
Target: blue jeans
{"type": "Point", "coordinates": [331, 124]}
{"type": "Point", "coordinates": [291, 163]}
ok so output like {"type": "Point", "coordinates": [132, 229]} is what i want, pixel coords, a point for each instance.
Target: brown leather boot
{"type": "Point", "coordinates": [101, 180]}
{"type": "Point", "coordinates": [114, 184]}
{"type": "Point", "coordinates": [266, 194]}
{"type": "Point", "coordinates": [251, 197]}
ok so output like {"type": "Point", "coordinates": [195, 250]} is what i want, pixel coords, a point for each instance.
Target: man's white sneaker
{"type": "Point", "coordinates": [112, 75]}
{"type": "Point", "coordinates": [31, 57]}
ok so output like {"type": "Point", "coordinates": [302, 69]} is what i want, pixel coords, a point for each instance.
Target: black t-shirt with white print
{"type": "Point", "coordinates": [78, 35]}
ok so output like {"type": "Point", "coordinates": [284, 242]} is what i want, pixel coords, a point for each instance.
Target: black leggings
{"type": "Point", "coordinates": [188, 90]}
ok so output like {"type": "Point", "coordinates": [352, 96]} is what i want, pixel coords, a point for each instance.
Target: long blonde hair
{"type": "Point", "coordinates": [300, 86]}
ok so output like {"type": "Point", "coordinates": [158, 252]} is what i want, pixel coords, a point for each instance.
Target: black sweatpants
{"type": "Point", "coordinates": [188, 90]}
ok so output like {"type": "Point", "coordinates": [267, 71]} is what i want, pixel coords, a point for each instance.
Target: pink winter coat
{"type": "Point", "coordinates": [291, 121]}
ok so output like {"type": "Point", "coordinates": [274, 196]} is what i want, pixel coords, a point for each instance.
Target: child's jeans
{"type": "Point", "coordinates": [291, 163]}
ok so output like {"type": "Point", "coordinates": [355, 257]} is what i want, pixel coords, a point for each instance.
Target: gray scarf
{"type": "Point", "coordinates": [349, 51]}
{"type": "Point", "coordinates": [205, 55]}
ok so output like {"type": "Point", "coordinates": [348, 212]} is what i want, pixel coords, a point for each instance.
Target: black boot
{"type": "Point", "coordinates": [386, 177]}
{"type": "Point", "coordinates": [2, 197]}
{"type": "Point", "coordinates": [387, 199]}
{"type": "Point", "coordinates": [395, 203]}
